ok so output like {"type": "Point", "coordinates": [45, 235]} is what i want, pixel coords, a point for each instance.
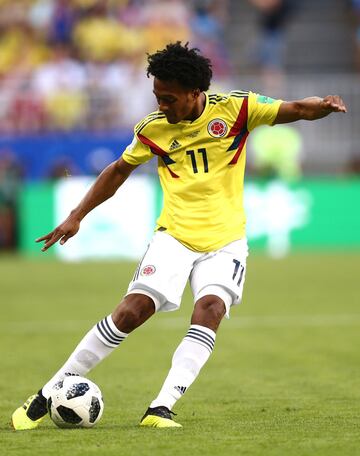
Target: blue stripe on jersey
{"type": "Point", "coordinates": [237, 140]}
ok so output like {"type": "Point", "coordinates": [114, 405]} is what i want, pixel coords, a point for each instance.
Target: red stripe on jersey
{"type": "Point", "coordinates": [239, 126]}
{"type": "Point", "coordinates": [241, 120]}
{"type": "Point", "coordinates": [240, 148]}
{"type": "Point", "coordinates": [155, 149]}
{"type": "Point", "coordinates": [175, 176]}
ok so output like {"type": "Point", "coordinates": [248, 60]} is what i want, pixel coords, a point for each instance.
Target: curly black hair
{"type": "Point", "coordinates": [181, 64]}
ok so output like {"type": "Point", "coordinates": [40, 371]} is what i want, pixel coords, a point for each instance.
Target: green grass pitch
{"type": "Point", "coordinates": [283, 379]}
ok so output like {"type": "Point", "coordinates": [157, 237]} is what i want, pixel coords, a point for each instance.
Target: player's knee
{"type": "Point", "coordinates": [209, 311]}
{"type": "Point", "coordinates": [134, 310]}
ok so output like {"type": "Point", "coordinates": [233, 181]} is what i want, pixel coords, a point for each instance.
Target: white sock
{"type": "Point", "coordinates": [188, 359]}
{"type": "Point", "coordinates": [97, 344]}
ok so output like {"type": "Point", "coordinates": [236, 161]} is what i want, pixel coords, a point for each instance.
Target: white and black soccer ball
{"type": "Point", "coordinates": [75, 402]}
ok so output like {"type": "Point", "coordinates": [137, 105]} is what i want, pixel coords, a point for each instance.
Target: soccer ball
{"type": "Point", "coordinates": [75, 402]}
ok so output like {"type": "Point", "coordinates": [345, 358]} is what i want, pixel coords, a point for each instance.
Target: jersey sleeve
{"type": "Point", "coordinates": [262, 110]}
{"type": "Point", "coordinates": [137, 153]}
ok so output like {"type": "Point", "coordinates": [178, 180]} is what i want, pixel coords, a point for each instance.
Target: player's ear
{"type": "Point", "coordinates": [195, 93]}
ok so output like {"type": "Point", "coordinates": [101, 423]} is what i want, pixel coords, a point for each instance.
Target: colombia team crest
{"type": "Point", "coordinates": [148, 270]}
{"type": "Point", "coordinates": [217, 128]}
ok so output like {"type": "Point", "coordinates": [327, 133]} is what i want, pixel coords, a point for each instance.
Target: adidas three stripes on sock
{"type": "Point", "coordinates": [190, 356]}
{"type": "Point", "coordinates": [97, 344]}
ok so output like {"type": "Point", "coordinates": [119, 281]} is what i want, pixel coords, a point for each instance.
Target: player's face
{"type": "Point", "coordinates": [176, 102]}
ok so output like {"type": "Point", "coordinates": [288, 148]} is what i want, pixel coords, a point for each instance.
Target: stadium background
{"type": "Point", "coordinates": [72, 85]}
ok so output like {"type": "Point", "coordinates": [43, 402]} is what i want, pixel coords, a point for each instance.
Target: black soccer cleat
{"type": "Point", "coordinates": [159, 417]}
{"type": "Point", "coordinates": [30, 415]}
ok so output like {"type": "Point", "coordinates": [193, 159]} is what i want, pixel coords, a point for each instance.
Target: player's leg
{"type": "Point", "coordinates": [97, 344]}
{"type": "Point", "coordinates": [105, 336]}
{"type": "Point", "coordinates": [217, 283]}
{"type": "Point", "coordinates": [188, 359]}
{"type": "Point", "coordinates": [156, 286]}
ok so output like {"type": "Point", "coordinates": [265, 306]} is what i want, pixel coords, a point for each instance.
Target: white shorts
{"type": "Point", "coordinates": [167, 265]}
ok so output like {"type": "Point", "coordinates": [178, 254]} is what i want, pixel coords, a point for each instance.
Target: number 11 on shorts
{"type": "Point", "coordinates": [238, 271]}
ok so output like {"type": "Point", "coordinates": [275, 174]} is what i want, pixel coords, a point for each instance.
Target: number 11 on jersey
{"type": "Point", "coordinates": [193, 157]}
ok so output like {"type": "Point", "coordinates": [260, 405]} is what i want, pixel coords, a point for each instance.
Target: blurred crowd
{"type": "Point", "coordinates": [273, 16]}
{"type": "Point", "coordinates": [356, 15]}
{"type": "Point", "coordinates": [69, 65]}
{"type": "Point", "coordinates": [73, 64]}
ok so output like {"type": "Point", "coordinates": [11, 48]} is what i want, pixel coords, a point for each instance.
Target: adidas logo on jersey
{"type": "Point", "coordinates": [174, 145]}
{"type": "Point", "coordinates": [181, 389]}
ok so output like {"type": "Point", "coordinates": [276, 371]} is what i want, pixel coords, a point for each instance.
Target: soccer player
{"type": "Point", "coordinates": [199, 140]}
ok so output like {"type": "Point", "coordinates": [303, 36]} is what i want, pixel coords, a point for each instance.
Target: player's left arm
{"type": "Point", "coordinates": [311, 108]}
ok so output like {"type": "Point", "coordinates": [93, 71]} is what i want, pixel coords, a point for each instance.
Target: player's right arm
{"type": "Point", "coordinates": [104, 187]}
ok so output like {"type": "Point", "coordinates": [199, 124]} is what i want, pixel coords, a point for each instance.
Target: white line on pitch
{"type": "Point", "coordinates": [271, 321]}
{"type": "Point", "coordinates": [171, 322]}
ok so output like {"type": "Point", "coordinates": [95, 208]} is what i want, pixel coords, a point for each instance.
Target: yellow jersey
{"type": "Point", "coordinates": [201, 166]}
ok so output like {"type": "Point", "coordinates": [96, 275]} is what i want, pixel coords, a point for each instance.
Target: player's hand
{"type": "Point", "coordinates": [333, 103]}
{"type": "Point", "coordinates": [62, 233]}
